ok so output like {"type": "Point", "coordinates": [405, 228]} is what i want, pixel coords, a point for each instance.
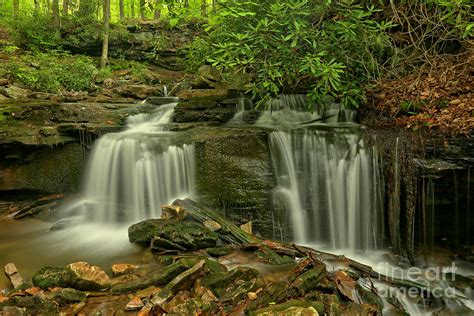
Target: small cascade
{"type": "Point", "coordinates": [132, 173]}
{"type": "Point", "coordinates": [330, 185]}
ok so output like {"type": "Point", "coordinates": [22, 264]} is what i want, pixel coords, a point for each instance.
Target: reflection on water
{"type": "Point", "coordinates": [31, 246]}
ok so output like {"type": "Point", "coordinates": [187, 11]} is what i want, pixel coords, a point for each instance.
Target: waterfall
{"type": "Point", "coordinates": [132, 173]}
{"type": "Point", "coordinates": [329, 183]}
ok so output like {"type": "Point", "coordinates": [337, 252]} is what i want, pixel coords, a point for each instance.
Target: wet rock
{"type": "Point", "coordinates": [52, 277]}
{"type": "Point", "coordinates": [34, 305]}
{"type": "Point", "coordinates": [161, 100]}
{"type": "Point", "coordinates": [209, 73]}
{"type": "Point", "coordinates": [12, 311]}
{"type": "Point", "coordinates": [247, 227]}
{"type": "Point", "coordinates": [203, 111]}
{"type": "Point", "coordinates": [205, 95]}
{"type": "Point", "coordinates": [66, 296]}
{"type": "Point", "coordinates": [308, 281]}
{"type": "Point", "coordinates": [183, 281]}
{"type": "Point", "coordinates": [165, 235]}
{"type": "Point", "coordinates": [88, 277]}
{"type": "Point", "coordinates": [219, 251]}
{"type": "Point", "coordinates": [231, 286]}
{"type": "Point", "coordinates": [173, 213]}
{"type": "Point", "coordinates": [12, 273]}
{"type": "Point", "coordinates": [157, 278]}
{"type": "Point", "coordinates": [292, 308]}
{"type": "Point", "coordinates": [139, 91]}
{"type": "Point", "coordinates": [123, 268]}
{"type": "Point", "coordinates": [15, 92]}
{"type": "Point", "coordinates": [134, 304]}
{"type": "Point", "coordinates": [212, 225]}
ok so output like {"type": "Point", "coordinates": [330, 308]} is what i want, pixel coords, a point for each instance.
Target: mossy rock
{"type": "Point", "coordinates": [52, 277]}
{"type": "Point", "coordinates": [67, 296]}
{"type": "Point", "coordinates": [34, 305]}
{"type": "Point", "coordinates": [166, 235]}
{"type": "Point", "coordinates": [222, 284]}
{"type": "Point", "coordinates": [157, 278]}
{"type": "Point", "coordinates": [219, 251]}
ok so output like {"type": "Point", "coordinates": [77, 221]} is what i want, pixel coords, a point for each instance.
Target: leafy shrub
{"type": "Point", "coordinates": [326, 47]}
{"type": "Point", "coordinates": [54, 72]}
{"type": "Point", "coordinates": [35, 32]}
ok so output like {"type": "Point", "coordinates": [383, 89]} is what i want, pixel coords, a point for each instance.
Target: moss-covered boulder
{"type": "Point", "coordinates": [232, 286]}
{"type": "Point", "coordinates": [157, 278]}
{"type": "Point", "coordinates": [53, 277]}
{"type": "Point", "coordinates": [170, 235]}
{"type": "Point", "coordinates": [34, 305]}
{"type": "Point", "coordinates": [67, 296]}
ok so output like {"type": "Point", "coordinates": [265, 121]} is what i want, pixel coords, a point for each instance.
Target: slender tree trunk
{"type": "Point", "coordinates": [56, 20]}
{"type": "Point", "coordinates": [132, 8]}
{"type": "Point", "coordinates": [203, 8]}
{"type": "Point", "coordinates": [214, 6]}
{"type": "Point", "coordinates": [65, 7]}
{"type": "Point", "coordinates": [121, 10]}
{"type": "Point", "coordinates": [186, 3]}
{"type": "Point", "coordinates": [157, 12]}
{"type": "Point", "coordinates": [37, 6]}
{"type": "Point", "coordinates": [16, 8]}
{"type": "Point", "coordinates": [105, 42]}
{"type": "Point", "coordinates": [142, 9]}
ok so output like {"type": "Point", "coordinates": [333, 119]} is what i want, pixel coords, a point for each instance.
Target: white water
{"type": "Point", "coordinates": [132, 173]}
{"type": "Point", "coordinates": [329, 182]}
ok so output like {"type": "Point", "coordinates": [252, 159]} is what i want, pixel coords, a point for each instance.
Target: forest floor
{"type": "Point", "coordinates": [440, 96]}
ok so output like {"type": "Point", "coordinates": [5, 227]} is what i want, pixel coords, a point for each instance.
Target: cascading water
{"type": "Point", "coordinates": [132, 173]}
{"type": "Point", "coordinates": [328, 179]}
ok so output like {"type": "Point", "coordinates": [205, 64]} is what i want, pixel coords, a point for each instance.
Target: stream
{"type": "Point", "coordinates": [329, 186]}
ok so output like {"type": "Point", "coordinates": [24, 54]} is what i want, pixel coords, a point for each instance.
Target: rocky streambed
{"type": "Point", "coordinates": [195, 262]}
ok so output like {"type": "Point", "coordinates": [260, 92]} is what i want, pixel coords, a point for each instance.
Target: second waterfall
{"type": "Point", "coordinates": [330, 186]}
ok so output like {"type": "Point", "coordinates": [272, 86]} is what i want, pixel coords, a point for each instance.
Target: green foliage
{"type": "Point", "coordinates": [53, 72]}
{"type": "Point", "coordinates": [35, 32]}
{"type": "Point", "coordinates": [328, 48]}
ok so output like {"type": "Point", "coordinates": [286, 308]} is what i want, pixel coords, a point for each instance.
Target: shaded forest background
{"type": "Point", "coordinates": [410, 62]}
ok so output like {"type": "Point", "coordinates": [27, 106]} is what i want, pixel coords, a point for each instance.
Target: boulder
{"type": "Point", "coordinates": [123, 268]}
{"type": "Point", "coordinates": [52, 277]}
{"type": "Point", "coordinates": [15, 92]}
{"type": "Point", "coordinates": [34, 305]}
{"type": "Point", "coordinates": [66, 296]}
{"type": "Point", "coordinates": [12, 273]}
{"type": "Point", "coordinates": [165, 235]}
{"type": "Point", "coordinates": [88, 277]}
{"type": "Point", "coordinates": [219, 251]}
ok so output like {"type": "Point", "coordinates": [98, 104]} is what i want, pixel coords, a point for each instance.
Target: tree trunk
{"type": "Point", "coordinates": [132, 8]}
{"type": "Point", "coordinates": [16, 8]}
{"type": "Point", "coordinates": [142, 9]}
{"type": "Point", "coordinates": [157, 11]}
{"type": "Point", "coordinates": [37, 6]}
{"type": "Point", "coordinates": [56, 21]}
{"type": "Point", "coordinates": [105, 42]}
{"type": "Point", "coordinates": [186, 3]}
{"type": "Point", "coordinates": [214, 6]}
{"type": "Point", "coordinates": [204, 7]}
{"type": "Point", "coordinates": [65, 7]}
{"type": "Point", "coordinates": [121, 10]}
